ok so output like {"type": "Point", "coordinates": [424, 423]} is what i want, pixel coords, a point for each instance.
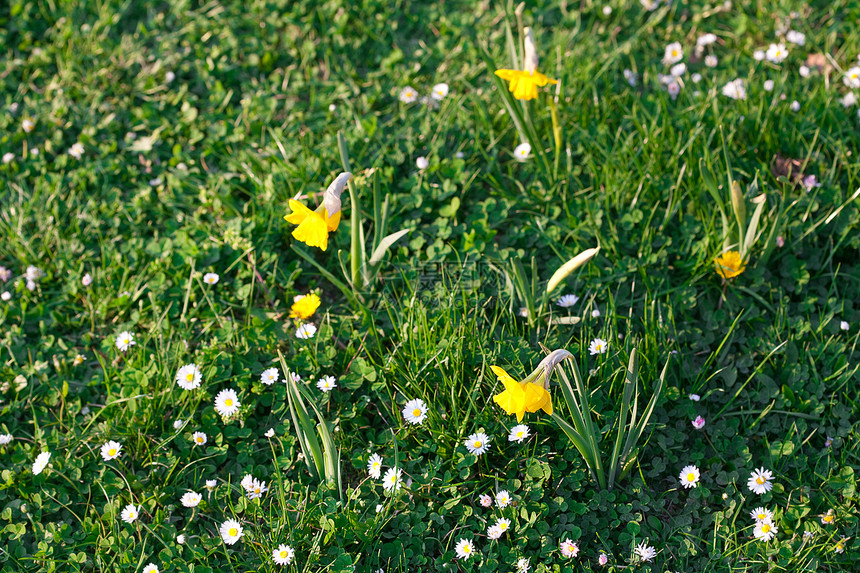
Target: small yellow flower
{"type": "Point", "coordinates": [524, 85]}
{"type": "Point", "coordinates": [314, 226]}
{"type": "Point", "coordinates": [519, 398]}
{"type": "Point", "coordinates": [304, 307]}
{"type": "Point", "coordinates": [730, 264]}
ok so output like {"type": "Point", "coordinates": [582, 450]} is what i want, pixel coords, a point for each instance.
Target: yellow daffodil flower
{"type": "Point", "coordinates": [730, 264]}
{"type": "Point", "coordinates": [304, 307]}
{"type": "Point", "coordinates": [524, 84]}
{"type": "Point", "coordinates": [521, 397]}
{"type": "Point", "coordinates": [314, 226]}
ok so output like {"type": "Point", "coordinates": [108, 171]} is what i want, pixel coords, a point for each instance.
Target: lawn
{"type": "Point", "coordinates": [289, 285]}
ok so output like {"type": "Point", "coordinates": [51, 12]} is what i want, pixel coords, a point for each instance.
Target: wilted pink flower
{"type": "Point", "coordinates": [485, 500]}
{"type": "Point", "coordinates": [602, 560]}
{"type": "Point", "coordinates": [699, 423]}
{"type": "Point", "coordinates": [780, 242]}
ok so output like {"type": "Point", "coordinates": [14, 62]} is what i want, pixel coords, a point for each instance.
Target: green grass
{"type": "Point", "coordinates": [192, 176]}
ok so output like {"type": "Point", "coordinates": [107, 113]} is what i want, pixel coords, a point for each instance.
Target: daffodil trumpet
{"type": "Point", "coordinates": [313, 227]}
{"type": "Point", "coordinates": [532, 393]}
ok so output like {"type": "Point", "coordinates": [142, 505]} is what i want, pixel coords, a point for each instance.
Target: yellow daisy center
{"type": "Point", "coordinates": [283, 554]}
{"type": "Point", "coordinates": [477, 444]}
{"type": "Point", "coordinates": [112, 452]}
{"type": "Point", "coordinates": [189, 376]}
{"type": "Point", "coordinates": [503, 526]}
{"type": "Point", "coordinates": [467, 549]}
{"type": "Point", "coordinates": [828, 518]}
{"type": "Point", "coordinates": [416, 412]}
{"type": "Point", "coordinates": [691, 476]}
{"type": "Point", "coordinates": [228, 402]}
{"type": "Point", "coordinates": [759, 480]}
{"type": "Point", "coordinates": [199, 439]}
{"type": "Point", "coordinates": [674, 53]}
{"type": "Point", "coordinates": [762, 516]}
{"type": "Point", "coordinates": [765, 527]}
{"type": "Point", "coordinates": [233, 531]}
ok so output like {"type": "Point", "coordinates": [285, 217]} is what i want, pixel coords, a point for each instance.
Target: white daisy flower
{"type": "Point", "coordinates": [8, 157]}
{"type": "Point", "coordinates": [177, 424]}
{"type": "Point", "coordinates": [503, 499]}
{"type": "Point", "coordinates": [735, 89]}
{"type": "Point", "coordinates": [485, 500]}
{"type": "Point", "coordinates": [595, 313]}
{"type": "Point", "coordinates": [464, 548]}
{"type": "Point", "coordinates": [768, 85]}
{"type": "Point", "coordinates": [76, 150]}
{"type": "Point", "coordinates": [6, 296]}
{"type": "Point", "coordinates": [697, 77]}
{"type": "Point", "coordinates": [795, 37]}
{"type": "Point", "coordinates": [111, 450]}
{"type": "Point", "coordinates": [650, 5]}
{"type": "Point", "coordinates": [211, 278]}
{"type": "Point", "coordinates": [689, 477]}
{"type": "Point", "coordinates": [804, 71]}
{"type": "Point", "coordinates": [270, 433]}
{"type": "Point", "coordinates": [150, 568]}
{"type": "Point", "coordinates": [674, 53]}
{"type": "Point", "coordinates": [760, 481]}
{"type": "Point", "coordinates": [679, 70]}
{"type": "Point", "coordinates": [776, 53]}
{"type": "Point", "coordinates": [522, 151]}
{"type": "Point", "coordinates": [522, 565]}
{"type": "Point", "coordinates": [210, 484]}
{"type": "Point", "coordinates": [503, 523]}
{"type": "Point", "coordinates": [795, 106]}
{"type": "Point", "coordinates": [130, 513]}
{"type": "Point", "coordinates": [758, 55]}
{"type": "Point", "coordinates": [189, 377]}
{"type": "Point", "coordinates": [569, 548]}
{"type": "Point", "coordinates": [631, 78]}
{"type": "Point", "coordinates": [257, 489]}
{"type": "Point", "coordinates": [706, 40]}
{"type": "Point", "coordinates": [645, 551]}
{"type": "Point", "coordinates": [180, 539]}
{"type": "Point", "coordinates": [761, 514]}
{"type": "Point", "coordinates": [408, 95]}
{"type": "Point", "coordinates": [327, 383]}
{"type": "Point", "coordinates": [87, 280]}
{"type": "Point", "coordinates": [5, 274]}
{"type": "Point", "coordinates": [765, 530]}
{"type": "Point", "coordinates": [844, 325]}
{"type": "Point", "coordinates": [199, 438]}
{"type": "Point", "coordinates": [306, 331]}
{"type": "Point", "coordinates": [598, 346]}
{"type": "Point", "coordinates": [849, 100]}
{"type": "Point", "coordinates": [415, 411]}
{"type": "Point", "coordinates": [5, 439]}
{"type": "Point", "coordinates": [440, 91]}
{"type": "Point", "coordinates": [28, 124]}
{"type": "Point", "coordinates": [41, 462]}
{"type": "Point", "coordinates": [567, 300]}
{"type": "Point", "coordinates": [478, 443]}
{"type": "Point", "coordinates": [191, 499]}
{"type": "Point", "coordinates": [493, 532]}
{"type": "Point", "coordinates": [852, 77]}
{"type": "Point", "coordinates": [227, 403]}
{"type": "Point", "coordinates": [422, 163]}
{"type": "Point", "coordinates": [231, 531]}
{"type": "Point", "coordinates": [391, 480]}
{"type": "Point", "coordinates": [519, 433]}
{"type": "Point", "coordinates": [283, 555]}
{"type": "Point", "coordinates": [374, 466]}
{"type": "Point", "coordinates": [711, 61]}
{"type": "Point", "coordinates": [125, 340]}
{"type": "Point", "coordinates": [270, 376]}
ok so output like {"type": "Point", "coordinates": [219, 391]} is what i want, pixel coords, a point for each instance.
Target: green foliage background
{"type": "Point", "coordinates": [191, 176]}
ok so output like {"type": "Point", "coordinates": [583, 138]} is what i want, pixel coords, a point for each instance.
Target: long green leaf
{"type": "Point", "coordinates": [630, 379]}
